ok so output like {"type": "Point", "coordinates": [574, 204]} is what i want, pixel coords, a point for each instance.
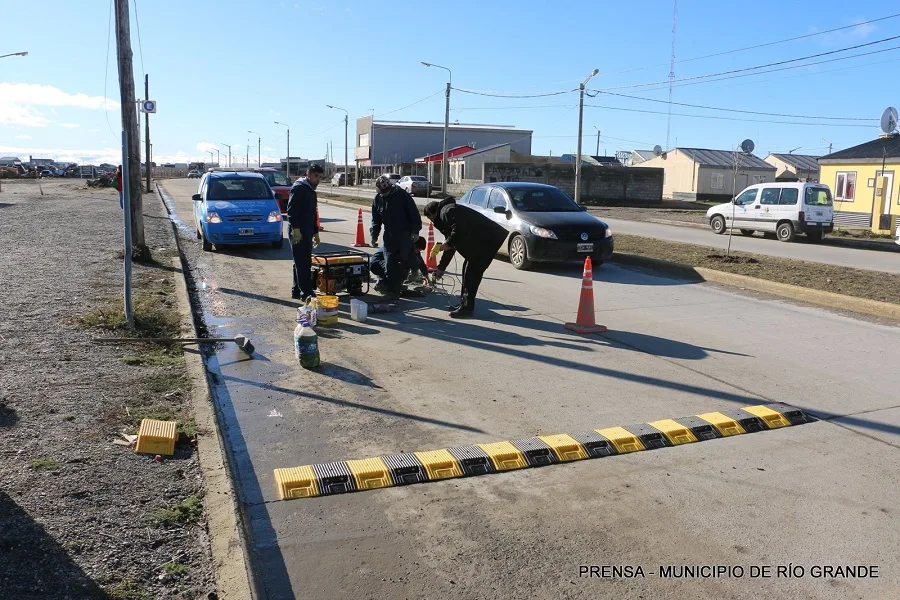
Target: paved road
{"type": "Point", "coordinates": [826, 493]}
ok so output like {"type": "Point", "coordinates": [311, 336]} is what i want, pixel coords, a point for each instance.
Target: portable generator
{"type": "Point", "coordinates": [341, 271]}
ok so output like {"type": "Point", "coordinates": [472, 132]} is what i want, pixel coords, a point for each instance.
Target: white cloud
{"type": "Point", "coordinates": [14, 114]}
{"type": "Point", "coordinates": [205, 146]}
{"type": "Point", "coordinates": [23, 137]}
{"type": "Point", "coordinates": [47, 95]}
{"type": "Point", "coordinates": [71, 125]}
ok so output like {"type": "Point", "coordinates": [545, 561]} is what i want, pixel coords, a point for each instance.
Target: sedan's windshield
{"type": "Point", "coordinates": [276, 178]}
{"type": "Point", "coordinates": [818, 196]}
{"type": "Point", "coordinates": [541, 199]}
{"type": "Point", "coordinates": [238, 189]}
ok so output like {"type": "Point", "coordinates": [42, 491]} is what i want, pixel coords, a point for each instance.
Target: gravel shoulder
{"type": "Point", "coordinates": [81, 517]}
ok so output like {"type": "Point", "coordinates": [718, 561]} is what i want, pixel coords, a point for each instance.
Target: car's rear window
{"type": "Point", "coordinates": [238, 189]}
{"type": "Point", "coordinates": [541, 199]}
{"type": "Point", "coordinates": [276, 178]}
{"type": "Point", "coordinates": [418, 178]}
{"type": "Point", "coordinates": [818, 196]}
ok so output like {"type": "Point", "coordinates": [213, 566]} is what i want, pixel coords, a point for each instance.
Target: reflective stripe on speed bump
{"type": "Point", "coordinates": [483, 459]}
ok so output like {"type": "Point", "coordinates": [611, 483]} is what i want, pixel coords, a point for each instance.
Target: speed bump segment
{"type": "Point", "coordinates": [484, 459]}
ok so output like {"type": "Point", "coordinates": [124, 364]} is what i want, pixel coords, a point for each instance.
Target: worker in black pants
{"type": "Point", "coordinates": [395, 210]}
{"type": "Point", "coordinates": [473, 235]}
{"type": "Point", "coordinates": [304, 235]}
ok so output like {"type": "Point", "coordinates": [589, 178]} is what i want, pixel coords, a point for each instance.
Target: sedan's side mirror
{"type": "Point", "coordinates": [196, 197]}
{"type": "Point", "coordinates": [500, 210]}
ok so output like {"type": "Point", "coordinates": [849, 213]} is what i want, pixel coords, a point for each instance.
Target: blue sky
{"type": "Point", "coordinates": [218, 69]}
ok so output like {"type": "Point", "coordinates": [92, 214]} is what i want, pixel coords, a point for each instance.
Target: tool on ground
{"type": "Point", "coordinates": [584, 321]}
{"type": "Point", "coordinates": [360, 232]}
{"type": "Point", "coordinates": [241, 340]}
{"type": "Point", "coordinates": [430, 259]}
{"type": "Point", "coordinates": [340, 271]}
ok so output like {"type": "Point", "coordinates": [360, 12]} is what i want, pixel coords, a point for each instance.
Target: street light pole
{"type": "Point", "coordinates": [346, 161]}
{"type": "Point", "coordinates": [229, 153]}
{"type": "Point", "coordinates": [15, 54]}
{"type": "Point", "coordinates": [598, 140]}
{"type": "Point", "coordinates": [288, 157]}
{"type": "Point", "coordinates": [258, 148]}
{"type": "Point", "coordinates": [218, 159]}
{"type": "Point", "coordinates": [580, 118]}
{"type": "Point", "coordinates": [210, 155]}
{"type": "Point", "coordinates": [446, 125]}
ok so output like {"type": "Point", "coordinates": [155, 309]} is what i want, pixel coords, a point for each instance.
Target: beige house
{"type": "Point", "coordinates": [700, 174]}
{"type": "Point", "coordinates": [795, 167]}
{"type": "Point", "coordinates": [471, 164]}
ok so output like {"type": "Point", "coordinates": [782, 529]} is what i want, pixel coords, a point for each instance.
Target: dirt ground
{"type": "Point", "coordinates": [842, 280]}
{"type": "Point", "coordinates": [81, 517]}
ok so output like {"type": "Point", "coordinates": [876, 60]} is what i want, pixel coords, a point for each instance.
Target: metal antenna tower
{"type": "Point", "coordinates": [672, 70]}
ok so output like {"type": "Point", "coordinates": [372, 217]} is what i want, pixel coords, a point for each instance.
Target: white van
{"type": "Point", "coordinates": [785, 209]}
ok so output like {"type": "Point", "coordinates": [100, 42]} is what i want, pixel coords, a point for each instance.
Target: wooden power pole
{"type": "Point", "coordinates": [139, 250]}
{"type": "Point", "coordinates": [147, 131]}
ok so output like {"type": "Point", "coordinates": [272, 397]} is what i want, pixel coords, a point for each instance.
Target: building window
{"type": "Point", "coordinates": [363, 139]}
{"type": "Point", "coordinates": [845, 186]}
{"type": "Point", "coordinates": [718, 181]}
{"type": "Point", "coordinates": [759, 179]}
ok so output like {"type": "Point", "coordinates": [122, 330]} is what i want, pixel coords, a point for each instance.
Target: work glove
{"type": "Point", "coordinates": [435, 250]}
{"type": "Point", "coordinates": [374, 242]}
{"type": "Point", "coordinates": [316, 240]}
{"type": "Point", "coordinates": [438, 274]}
{"type": "Point", "coordinates": [296, 237]}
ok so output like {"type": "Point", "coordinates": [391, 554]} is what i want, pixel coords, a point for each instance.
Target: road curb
{"type": "Point", "coordinates": [228, 541]}
{"type": "Point", "coordinates": [785, 290]}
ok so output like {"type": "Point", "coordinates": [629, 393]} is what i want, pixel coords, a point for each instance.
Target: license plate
{"type": "Point", "coordinates": [819, 214]}
{"type": "Point", "coordinates": [245, 231]}
{"type": "Point", "coordinates": [585, 247]}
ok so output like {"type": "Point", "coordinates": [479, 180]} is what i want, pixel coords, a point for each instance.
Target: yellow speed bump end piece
{"type": "Point", "coordinates": [565, 447]}
{"type": "Point", "coordinates": [676, 432]}
{"type": "Point", "coordinates": [439, 464]}
{"type": "Point", "coordinates": [726, 425]}
{"type": "Point", "coordinates": [622, 439]}
{"type": "Point", "coordinates": [773, 419]}
{"type": "Point", "coordinates": [505, 456]}
{"type": "Point", "coordinates": [156, 437]}
{"type": "Point", "coordinates": [297, 482]}
{"type": "Point", "coordinates": [370, 473]}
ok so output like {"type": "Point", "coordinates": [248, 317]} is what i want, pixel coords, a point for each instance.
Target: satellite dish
{"type": "Point", "coordinates": [889, 120]}
{"type": "Point", "coordinates": [657, 150]}
{"type": "Point", "coordinates": [747, 146]}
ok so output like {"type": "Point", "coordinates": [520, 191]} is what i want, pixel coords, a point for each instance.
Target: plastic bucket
{"type": "Point", "coordinates": [359, 310]}
{"type": "Point", "coordinates": [328, 310]}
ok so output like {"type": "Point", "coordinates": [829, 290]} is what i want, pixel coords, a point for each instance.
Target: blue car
{"type": "Point", "coordinates": [237, 208]}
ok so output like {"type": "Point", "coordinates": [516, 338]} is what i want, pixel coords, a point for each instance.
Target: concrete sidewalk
{"type": "Point", "coordinates": [816, 494]}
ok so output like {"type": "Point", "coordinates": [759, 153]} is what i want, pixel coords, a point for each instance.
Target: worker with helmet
{"type": "Point", "coordinates": [396, 211]}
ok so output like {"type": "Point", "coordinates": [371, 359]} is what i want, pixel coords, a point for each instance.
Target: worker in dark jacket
{"type": "Point", "coordinates": [302, 208]}
{"type": "Point", "coordinates": [396, 211]}
{"type": "Point", "coordinates": [473, 235]}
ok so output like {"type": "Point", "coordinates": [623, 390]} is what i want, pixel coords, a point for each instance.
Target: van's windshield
{"type": "Point", "coordinates": [818, 196]}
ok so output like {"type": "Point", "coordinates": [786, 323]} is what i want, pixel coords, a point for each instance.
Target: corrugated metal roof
{"type": "Point", "coordinates": [724, 159]}
{"type": "Point", "coordinates": [807, 162]}
{"type": "Point", "coordinates": [883, 147]}
{"type": "Point", "coordinates": [644, 154]}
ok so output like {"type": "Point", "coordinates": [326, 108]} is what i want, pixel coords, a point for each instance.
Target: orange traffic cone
{"type": "Point", "coordinates": [430, 261]}
{"type": "Point", "coordinates": [360, 233]}
{"type": "Point", "coordinates": [584, 322]}
{"type": "Point", "coordinates": [318, 222]}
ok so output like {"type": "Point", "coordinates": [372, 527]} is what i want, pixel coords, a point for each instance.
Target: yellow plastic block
{"type": "Point", "coordinates": [676, 432]}
{"type": "Point", "coordinates": [370, 473]}
{"type": "Point", "coordinates": [439, 464]}
{"type": "Point", "coordinates": [726, 425]}
{"type": "Point", "coordinates": [156, 437]}
{"type": "Point", "coordinates": [622, 439]}
{"type": "Point", "coordinates": [298, 482]}
{"type": "Point", "coordinates": [505, 456]}
{"type": "Point", "coordinates": [772, 418]}
{"type": "Point", "coordinates": [565, 446]}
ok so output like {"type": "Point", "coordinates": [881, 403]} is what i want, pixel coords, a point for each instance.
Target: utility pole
{"type": "Point", "coordinates": [346, 160]}
{"type": "Point", "coordinates": [147, 129]}
{"type": "Point", "coordinates": [598, 140]}
{"type": "Point", "coordinates": [446, 125]}
{"type": "Point", "coordinates": [672, 69]}
{"type": "Point", "coordinates": [218, 159]}
{"type": "Point", "coordinates": [580, 119]}
{"type": "Point", "coordinates": [210, 155]}
{"type": "Point", "coordinates": [258, 147]}
{"type": "Point", "coordinates": [288, 157]}
{"type": "Point", "coordinates": [247, 155]}
{"type": "Point", "coordinates": [829, 145]}
{"type": "Point", "coordinates": [124, 56]}
{"type": "Point", "coordinates": [229, 153]}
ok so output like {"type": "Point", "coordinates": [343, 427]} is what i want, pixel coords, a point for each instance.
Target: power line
{"type": "Point", "coordinates": [735, 110]}
{"type": "Point", "coordinates": [659, 112]}
{"type": "Point", "coordinates": [390, 112]}
{"type": "Point", "coordinates": [106, 70]}
{"type": "Point", "coordinates": [763, 45]}
{"type": "Point", "coordinates": [507, 95]}
{"type": "Point", "coordinates": [764, 66]}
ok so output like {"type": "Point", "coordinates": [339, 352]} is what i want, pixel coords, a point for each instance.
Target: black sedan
{"type": "Point", "coordinates": [544, 224]}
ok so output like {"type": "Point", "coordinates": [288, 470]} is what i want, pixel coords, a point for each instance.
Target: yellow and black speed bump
{"type": "Point", "coordinates": [483, 459]}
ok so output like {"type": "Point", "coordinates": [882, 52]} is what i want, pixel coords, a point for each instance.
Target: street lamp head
{"type": "Point", "coordinates": [594, 72]}
{"type": "Point", "coordinates": [426, 64]}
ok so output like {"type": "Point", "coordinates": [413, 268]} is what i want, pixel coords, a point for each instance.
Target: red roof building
{"type": "Point", "coordinates": [436, 158]}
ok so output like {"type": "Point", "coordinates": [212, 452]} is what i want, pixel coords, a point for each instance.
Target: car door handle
{"type": "Point", "coordinates": [756, 207]}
